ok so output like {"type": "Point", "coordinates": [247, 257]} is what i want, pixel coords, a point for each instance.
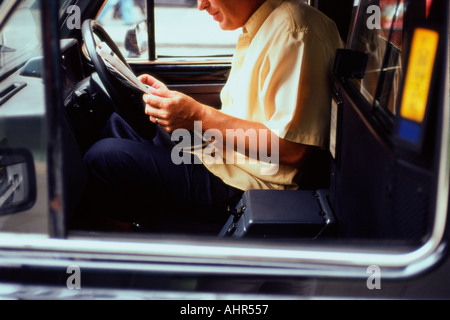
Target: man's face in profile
{"type": "Point", "coordinates": [231, 14]}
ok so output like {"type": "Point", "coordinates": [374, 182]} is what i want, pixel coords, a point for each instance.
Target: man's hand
{"type": "Point", "coordinates": [170, 109]}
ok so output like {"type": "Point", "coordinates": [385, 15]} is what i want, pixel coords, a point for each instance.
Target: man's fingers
{"type": "Point", "coordinates": [161, 92]}
{"type": "Point", "coordinates": [155, 113]}
{"type": "Point", "coordinates": [153, 100]}
{"type": "Point", "coordinates": [152, 82]}
{"type": "Point", "coordinates": [148, 79]}
{"type": "Point", "coordinates": [157, 121]}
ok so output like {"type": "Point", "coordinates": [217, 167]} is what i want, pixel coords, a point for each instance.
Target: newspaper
{"type": "Point", "coordinates": [127, 77]}
{"type": "Point", "coordinates": [118, 68]}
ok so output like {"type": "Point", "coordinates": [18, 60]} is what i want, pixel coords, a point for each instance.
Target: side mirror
{"type": "Point", "coordinates": [136, 40]}
{"type": "Point", "coordinates": [17, 180]}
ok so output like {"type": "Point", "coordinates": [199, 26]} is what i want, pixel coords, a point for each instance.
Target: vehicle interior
{"type": "Point", "coordinates": [383, 165]}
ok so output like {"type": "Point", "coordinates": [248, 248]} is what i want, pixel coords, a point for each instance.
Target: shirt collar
{"type": "Point", "coordinates": [257, 19]}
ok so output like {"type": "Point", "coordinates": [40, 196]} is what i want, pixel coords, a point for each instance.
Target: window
{"type": "Point", "coordinates": [22, 121]}
{"type": "Point", "coordinates": [178, 263]}
{"type": "Point", "coordinates": [20, 39]}
{"type": "Point", "coordinates": [118, 17]}
{"type": "Point", "coordinates": [194, 34]}
{"type": "Point", "coordinates": [379, 34]}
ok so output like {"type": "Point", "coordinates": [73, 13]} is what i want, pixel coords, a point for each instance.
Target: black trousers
{"type": "Point", "coordinates": [133, 179]}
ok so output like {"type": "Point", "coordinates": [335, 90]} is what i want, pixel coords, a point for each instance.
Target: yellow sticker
{"type": "Point", "coordinates": [418, 77]}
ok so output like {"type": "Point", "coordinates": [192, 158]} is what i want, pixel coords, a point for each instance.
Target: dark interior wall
{"type": "Point", "coordinates": [340, 11]}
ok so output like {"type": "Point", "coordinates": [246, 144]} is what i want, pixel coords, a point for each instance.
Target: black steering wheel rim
{"type": "Point", "coordinates": [126, 102]}
{"type": "Point", "coordinates": [89, 29]}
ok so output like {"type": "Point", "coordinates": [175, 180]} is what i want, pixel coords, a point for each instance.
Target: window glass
{"type": "Point", "coordinates": [22, 122]}
{"type": "Point", "coordinates": [119, 18]}
{"type": "Point", "coordinates": [21, 37]}
{"type": "Point", "coordinates": [181, 30]}
{"type": "Point", "coordinates": [378, 33]}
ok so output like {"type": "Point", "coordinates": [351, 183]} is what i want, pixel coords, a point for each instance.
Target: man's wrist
{"type": "Point", "coordinates": [201, 112]}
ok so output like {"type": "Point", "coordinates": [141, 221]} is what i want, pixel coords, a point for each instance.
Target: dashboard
{"type": "Point", "coordinates": [71, 65]}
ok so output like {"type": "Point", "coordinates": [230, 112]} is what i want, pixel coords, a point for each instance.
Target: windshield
{"type": "Point", "coordinates": [20, 38]}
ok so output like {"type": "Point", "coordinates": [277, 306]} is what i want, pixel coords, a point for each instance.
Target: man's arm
{"type": "Point", "coordinates": [174, 110]}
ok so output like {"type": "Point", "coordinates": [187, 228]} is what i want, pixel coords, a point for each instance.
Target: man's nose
{"type": "Point", "coordinates": [202, 4]}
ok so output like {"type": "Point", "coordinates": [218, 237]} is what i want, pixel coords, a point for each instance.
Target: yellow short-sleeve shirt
{"type": "Point", "coordinates": [281, 77]}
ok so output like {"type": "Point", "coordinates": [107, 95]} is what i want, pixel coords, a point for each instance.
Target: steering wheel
{"type": "Point", "coordinates": [127, 102]}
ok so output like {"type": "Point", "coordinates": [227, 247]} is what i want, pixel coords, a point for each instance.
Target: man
{"type": "Point", "coordinates": [279, 88]}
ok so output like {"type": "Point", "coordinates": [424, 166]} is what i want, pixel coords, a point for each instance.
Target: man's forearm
{"type": "Point", "coordinates": [251, 137]}
{"type": "Point", "coordinates": [174, 110]}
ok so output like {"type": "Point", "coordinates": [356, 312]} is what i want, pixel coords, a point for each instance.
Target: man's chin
{"type": "Point", "coordinates": [227, 27]}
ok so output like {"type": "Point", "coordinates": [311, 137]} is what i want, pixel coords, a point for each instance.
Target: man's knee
{"type": "Point", "coordinates": [102, 156]}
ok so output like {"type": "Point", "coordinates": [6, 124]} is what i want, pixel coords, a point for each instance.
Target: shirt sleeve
{"type": "Point", "coordinates": [295, 89]}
